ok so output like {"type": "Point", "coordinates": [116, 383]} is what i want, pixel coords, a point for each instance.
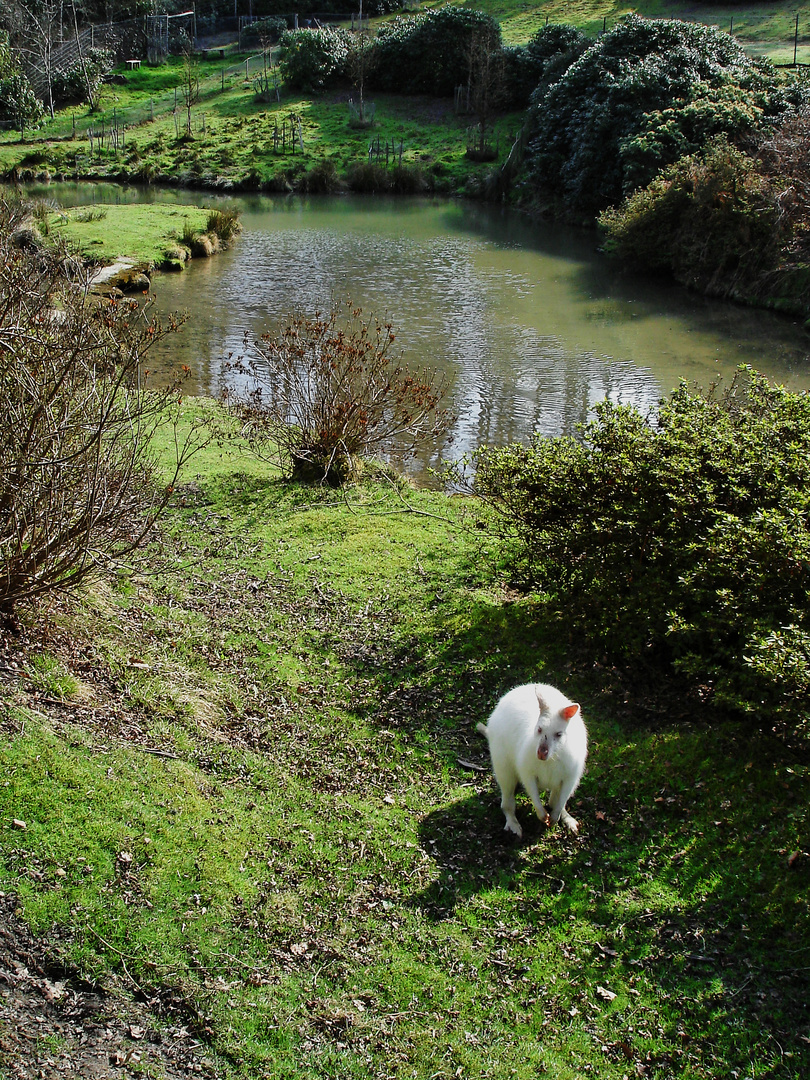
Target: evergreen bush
{"type": "Point", "coordinates": [81, 81]}
{"type": "Point", "coordinates": [646, 93]}
{"type": "Point", "coordinates": [312, 60]}
{"type": "Point", "coordinates": [683, 538]}
{"type": "Point", "coordinates": [711, 219]}
{"type": "Point", "coordinates": [429, 53]}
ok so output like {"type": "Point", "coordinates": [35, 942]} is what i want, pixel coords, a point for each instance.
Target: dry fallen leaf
{"type": "Point", "coordinates": [472, 765]}
{"type": "Point", "coordinates": [607, 995]}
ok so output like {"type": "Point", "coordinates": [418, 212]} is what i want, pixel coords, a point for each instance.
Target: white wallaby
{"type": "Point", "coordinates": [537, 736]}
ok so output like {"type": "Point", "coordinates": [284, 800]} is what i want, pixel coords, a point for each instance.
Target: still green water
{"type": "Point", "coordinates": [530, 322]}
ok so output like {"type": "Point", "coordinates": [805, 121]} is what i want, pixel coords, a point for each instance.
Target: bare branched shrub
{"type": "Point", "coordinates": [328, 391]}
{"type": "Point", "coordinates": [78, 480]}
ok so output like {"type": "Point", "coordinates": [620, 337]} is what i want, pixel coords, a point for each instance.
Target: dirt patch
{"type": "Point", "coordinates": [53, 1024]}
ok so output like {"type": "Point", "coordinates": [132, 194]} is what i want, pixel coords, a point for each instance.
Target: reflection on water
{"type": "Point", "coordinates": [531, 324]}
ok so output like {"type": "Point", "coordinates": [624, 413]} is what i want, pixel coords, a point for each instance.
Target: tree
{"type": "Point", "coordinates": [37, 31]}
{"type": "Point", "coordinates": [18, 103]}
{"type": "Point", "coordinates": [486, 87]}
{"type": "Point", "coordinates": [79, 487]}
{"type": "Point", "coordinates": [358, 65]}
{"type": "Point", "coordinates": [327, 391]}
{"type": "Point", "coordinates": [190, 84]}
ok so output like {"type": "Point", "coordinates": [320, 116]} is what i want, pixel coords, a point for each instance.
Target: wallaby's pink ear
{"type": "Point", "coordinates": [569, 712]}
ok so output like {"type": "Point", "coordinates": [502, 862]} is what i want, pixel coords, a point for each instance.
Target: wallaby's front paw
{"type": "Point", "coordinates": [513, 825]}
{"type": "Point", "coordinates": [571, 823]}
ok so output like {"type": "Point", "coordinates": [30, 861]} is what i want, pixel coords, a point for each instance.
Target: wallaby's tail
{"type": "Point", "coordinates": [481, 728]}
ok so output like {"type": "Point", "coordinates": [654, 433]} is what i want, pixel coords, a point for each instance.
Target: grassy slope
{"type": "Point", "coordinates": [242, 775]}
{"type": "Point", "coordinates": [233, 133]}
{"type": "Point", "coordinates": [233, 141]}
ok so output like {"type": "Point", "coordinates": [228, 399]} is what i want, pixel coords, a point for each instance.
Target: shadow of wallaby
{"type": "Point", "coordinates": [472, 852]}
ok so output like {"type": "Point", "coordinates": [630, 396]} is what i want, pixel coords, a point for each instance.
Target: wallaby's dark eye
{"type": "Point", "coordinates": [558, 734]}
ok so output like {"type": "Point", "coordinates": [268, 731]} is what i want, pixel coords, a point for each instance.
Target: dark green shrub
{"type": "Point", "coordinates": [711, 219]}
{"type": "Point", "coordinates": [81, 81]}
{"type": "Point", "coordinates": [429, 53]}
{"type": "Point", "coordinates": [312, 60]}
{"type": "Point", "coordinates": [322, 178]}
{"type": "Point", "coordinates": [270, 28]}
{"type": "Point", "coordinates": [684, 539]}
{"type": "Point", "coordinates": [367, 178]}
{"type": "Point", "coordinates": [646, 93]}
{"type": "Point", "coordinates": [533, 68]}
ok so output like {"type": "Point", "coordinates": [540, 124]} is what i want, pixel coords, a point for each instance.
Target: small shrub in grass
{"type": "Point", "coordinates": [224, 224]}
{"type": "Point", "coordinates": [684, 538]}
{"type": "Point", "coordinates": [328, 390]}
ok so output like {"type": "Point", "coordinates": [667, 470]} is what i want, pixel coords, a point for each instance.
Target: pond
{"type": "Point", "coordinates": [530, 322]}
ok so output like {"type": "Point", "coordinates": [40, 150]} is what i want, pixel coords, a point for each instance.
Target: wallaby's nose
{"type": "Point", "coordinates": [542, 751]}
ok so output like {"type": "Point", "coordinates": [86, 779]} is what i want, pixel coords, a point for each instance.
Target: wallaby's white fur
{"type": "Point", "coordinates": [536, 735]}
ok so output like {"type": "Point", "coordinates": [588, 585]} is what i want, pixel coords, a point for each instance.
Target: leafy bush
{"type": "Point", "coordinates": [78, 486]}
{"type": "Point", "coordinates": [312, 60]}
{"type": "Point", "coordinates": [429, 53]}
{"type": "Point", "coordinates": [81, 81]}
{"type": "Point", "coordinates": [18, 102]}
{"type": "Point", "coordinates": [711, 219]}
{"type": "Point", "coordinates": [532, 68]}
{"type": "Point", "coordinates": [327, 390]}
{"type": "Point", "coordinates": [646, 93]}
{"type": "Point", "coordinates": [685, 539]}
{"type": "Point", "coordinates": [270, 28]}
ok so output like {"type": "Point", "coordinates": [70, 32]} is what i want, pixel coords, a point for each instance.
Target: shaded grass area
{"type": "Point", "coordinates": [247, 775]}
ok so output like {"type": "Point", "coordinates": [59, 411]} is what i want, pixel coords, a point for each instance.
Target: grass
{"type": "Point", "coordinates": [233, 140]}
{"type": "Point", "coordinates": [144, 232]}
{"type": "Point", "coordinates": [255, 802]}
